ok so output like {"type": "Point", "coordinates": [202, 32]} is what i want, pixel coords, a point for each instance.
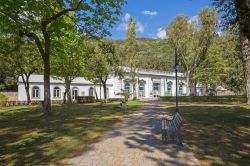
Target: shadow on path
{"type": "Point", "coordinates": [137, 141]}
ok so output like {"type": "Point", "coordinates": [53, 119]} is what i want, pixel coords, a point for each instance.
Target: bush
{"type": "Point", "coordinates": [3, 100]}
{"type": "Point", "coordinates": [114, 99]}
{"type": "Point", "coordinates": [85, 99]}
{"type": "Point", "coordinates": [216, 99]}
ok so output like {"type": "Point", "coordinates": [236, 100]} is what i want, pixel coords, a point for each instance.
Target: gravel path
{"type": "Point", "coordinates": [136, 141]}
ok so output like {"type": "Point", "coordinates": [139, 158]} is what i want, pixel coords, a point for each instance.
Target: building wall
{"type": "Point", "coordinates": [114, 84]}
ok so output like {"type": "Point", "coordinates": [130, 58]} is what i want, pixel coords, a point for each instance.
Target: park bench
{"type": "Point", "coordinates": [171, 129]}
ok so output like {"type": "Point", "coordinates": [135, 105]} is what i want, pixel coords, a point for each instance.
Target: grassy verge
{"type": "Point", "coordinates": [219, 134]}
{"type": "Point", "coordinates": [29, 138]}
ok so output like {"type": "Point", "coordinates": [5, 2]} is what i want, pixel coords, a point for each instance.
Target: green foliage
{"type": "Point", "coordinates": [126, 94]}
{"type": "Point", "coordinates": [24, 59]}
{"type": "Point", "coordinates": [191, 40]}
{"type": "Point", "coordinates": [45, 20]}
{"type": "Point", "coordinates": [103, 61]}
{"type": "Point", "coordinates": [216, 99]}
{"type": "Point", "coordinates": [27, 16]}
{"type": "Point", "coordinates": [131, 54]}
{"type": "Point", "coordinates": [3, 99]}
{"type": "Point", "coordinates": [152, 54]}
{"type": "Point", "coordinates": [85, 99]}
{"type": "Point", "coordinates": [214, 68]}
{"type": "Point", "coordinates": [232, 55]}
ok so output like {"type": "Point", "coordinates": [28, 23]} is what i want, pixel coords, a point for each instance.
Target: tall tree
{"type": "Point", "coordinates": [232, 55]}
{"type": "Point", "coordinates": [191, 40]}
{"type": "Point", "coordinates": [236, 14]}
{"type": "Point", "coordinates": [131, 55]}
{"type": "Point", "coordinates": [68, 61]}
{"type": "Point", "coordinates": [213, 69]}
{"type": "Point", "coordinates": [39, 21]}
{"type": "Point", "coordinates": [22, 60]}
{"type": "Point", "coordinates": [103, 62]}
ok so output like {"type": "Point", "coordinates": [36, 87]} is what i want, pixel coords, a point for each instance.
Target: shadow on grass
{"type": "Point", "coordinates": [28, 137]}
{"type": "Point", "coordinates": [218, 134]}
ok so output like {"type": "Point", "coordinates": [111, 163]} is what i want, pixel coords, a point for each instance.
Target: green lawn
{"type": "Point", "coordinates": [29, 138]}
{"type": "Point", "coordinates": [219, 134]}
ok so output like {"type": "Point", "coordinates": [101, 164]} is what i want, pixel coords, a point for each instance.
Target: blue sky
{"type": "Point", "coordinates": [153, 16]}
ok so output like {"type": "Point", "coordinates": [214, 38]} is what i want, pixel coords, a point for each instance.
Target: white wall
{"type": "Point", "coordinates": [114, 85]}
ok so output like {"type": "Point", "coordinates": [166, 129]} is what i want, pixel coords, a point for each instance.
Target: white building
{"type": "Point", "coordinates": [150, 84]}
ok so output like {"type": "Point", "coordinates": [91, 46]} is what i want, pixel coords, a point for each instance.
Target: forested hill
{"type": "Point", "coordinates": [151, 53]}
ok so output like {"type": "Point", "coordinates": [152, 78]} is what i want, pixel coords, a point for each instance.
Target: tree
{"type": "Point", "coordinates": [40, 21]}
{"type": "Point", "coordinates": [103, 62]}
{"type": "Point", "coordinates": [232, 56]}
{"type": "Point", "coordinates": [131, 55]}
{"type": "Point", "coordinates": [236, 15]}
{"type": "Point", "coordinates": [68, 61]}
{"type": "Point", "coordinates": [154, 54]}
{"type": "Point", "coordinates": [191, 40]}
{"type": "Point", "coordinates": [22, 61]}
{"type": "Point", "coordinates": [214, 68]}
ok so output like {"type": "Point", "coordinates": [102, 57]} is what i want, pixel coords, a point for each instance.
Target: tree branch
{"type": "Point", "coordinates": [35, 37]}
{"type": "Point", "coordinates": [59, 14]}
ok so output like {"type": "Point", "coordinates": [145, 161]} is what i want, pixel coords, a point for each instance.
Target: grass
{"type": "Point", "coordinates": [218, 134]}
{"type": "Point", "coordinates": [29, 138]}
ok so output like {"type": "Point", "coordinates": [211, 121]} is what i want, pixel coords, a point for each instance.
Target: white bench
{"type": "Point", "coordinates": [171, 129]}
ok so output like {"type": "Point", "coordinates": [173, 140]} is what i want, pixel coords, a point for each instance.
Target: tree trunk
{"type": "Point", "coordinates": [96, 96]}
{"type": "Point", "coordinates": [27, 87]}
{"type": "Point", "coordinates": [245, 48]}
{"type": "Point", "coordinates": [134, 91]}
{"type": "Point", "coordinates": [188, 83]}
{"type": "Point", "coordinates": [195, 88]}
{"type": "Point", "coordinates": [46, 59]}
{"type": "Point", "coordinates": [64, 97]}
{"type": "Point", "coordinates": [104, 90]}
{"type": "Point", "coordinates": [243, 10]}
{"type": "Point", "coordinates": [68, 91]}
{"type": "Point", "coordinates": [100, 91]}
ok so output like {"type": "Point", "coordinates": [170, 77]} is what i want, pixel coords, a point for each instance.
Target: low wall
{"type": "Point", "coordinates": [17, 103]}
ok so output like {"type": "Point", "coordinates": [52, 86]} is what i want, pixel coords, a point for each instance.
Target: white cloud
{"type": "Point", "coordinates": [139, 27]}
{"type": "Point", "coordinates": [127, 16]}
{"type": "Point", "coordinates": [194, 19]}
{"type": "Point", "coordinates": [150, 13]}
{"type": "Point", "coordinates": [161, 33]}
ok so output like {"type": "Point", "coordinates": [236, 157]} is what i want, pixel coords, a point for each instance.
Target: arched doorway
{"type": "Point", "coordinates": [141, 89]}
{"type": "Point", "coordinates": [74, 93]}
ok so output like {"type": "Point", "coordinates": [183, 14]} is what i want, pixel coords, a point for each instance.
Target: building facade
{"type": "Point", "coordinates": [150, 84]}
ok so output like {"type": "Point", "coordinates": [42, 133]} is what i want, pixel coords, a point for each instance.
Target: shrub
{"type": "Point", "coordinates": [85, 99]}
{"type": "Point", "coordinates": [216, 99]}
{"type": "Point", "coordinates": [3, 99]}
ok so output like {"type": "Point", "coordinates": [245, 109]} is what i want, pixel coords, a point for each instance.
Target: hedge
{"type": "Point", "coordinates": [3, 99]}
{"type": "Point", "coordinates": [85, 99]}
{"type": "Point", "coordinates": [216, 99]}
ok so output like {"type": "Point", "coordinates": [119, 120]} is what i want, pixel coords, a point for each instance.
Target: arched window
{"type": "Point", "coordinates": [91, 91]}
{"type": "Point", "coordinates": [35, 92]}
{"type": "Point", "coordinates": [74, 93]}
{"type": "Point", "coordinates": [181, 89]}
{"type": "Point", "coordinates": [127, 86]}
{"type": "Point", "coordinates": [156, 89]}
{"type": "Point", "coordinates": [141, 90]}
{"type": "Point", "coordinates": [57, 92]}
{"type": "Point", "coordinates": [169, 88]}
